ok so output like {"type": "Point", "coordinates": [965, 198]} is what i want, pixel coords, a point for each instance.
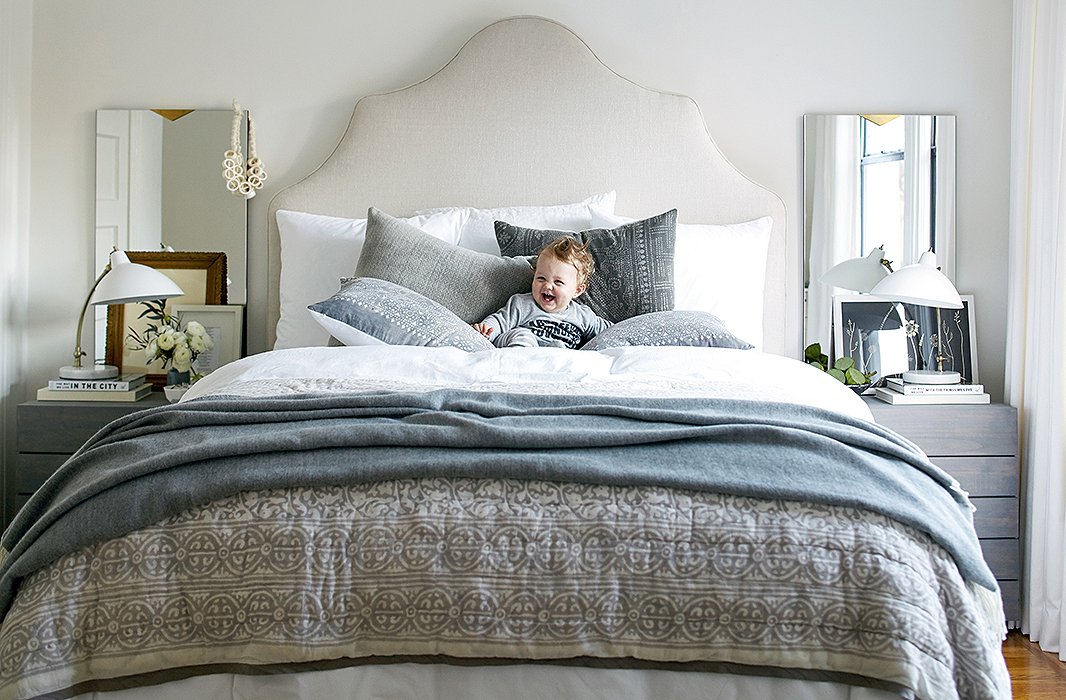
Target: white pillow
{"type": "Point", "coordinates": [317, 251]}
{"type": "Point", "coordinates": [718, 268]}
{"type": "Point", "coordinates": [479, 233]}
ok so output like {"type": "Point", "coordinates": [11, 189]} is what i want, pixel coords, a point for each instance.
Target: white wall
{"type": "Point", "coordinates": [15, 60]}
{"type": "Point", "coordinates": [754, 67]}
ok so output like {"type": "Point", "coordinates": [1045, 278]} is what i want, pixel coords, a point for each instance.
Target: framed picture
{"type": "Point", "coordinates": [202, 276]}
{"type": "Point", "coordinates": [891, 337]}
{"type": "Point", "coordinates": [225, 326]}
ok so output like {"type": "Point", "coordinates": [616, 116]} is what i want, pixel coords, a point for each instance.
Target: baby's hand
{"type": "Point", "coordinates": [483, 328]}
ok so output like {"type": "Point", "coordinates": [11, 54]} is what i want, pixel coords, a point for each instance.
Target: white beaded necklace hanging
{"type": "Point", "coordinates": [242, 180]}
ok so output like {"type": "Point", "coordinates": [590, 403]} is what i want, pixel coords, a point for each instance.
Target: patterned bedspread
{"type": "Point", "coordinates": [503, 569]}
{"type": "Point", "coordinates": [454, 569]}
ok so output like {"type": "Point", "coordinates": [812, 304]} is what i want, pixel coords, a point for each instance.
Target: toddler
{"type": "Point", "coordinates": [548, 316]}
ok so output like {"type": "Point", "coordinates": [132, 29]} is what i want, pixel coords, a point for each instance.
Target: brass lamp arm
{"type": "Point", "coordinates": [78, 352]}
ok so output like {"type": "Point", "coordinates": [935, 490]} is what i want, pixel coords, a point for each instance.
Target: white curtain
{"type": "Point", "coordinates": [1036, 345]}
{"type": "Point", "coordinates": [834, 150]}
{"type": "Point", "coordinates": [917, 185]}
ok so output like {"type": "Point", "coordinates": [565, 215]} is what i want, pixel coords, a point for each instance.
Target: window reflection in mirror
{"type": "Point", "coordinates": [869, 181]}
{"type": "Point", "coordinates": [159, 183]}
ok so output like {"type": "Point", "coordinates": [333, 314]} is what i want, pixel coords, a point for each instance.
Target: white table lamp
{"type": "Point", "coordinates": [121, 282]}
{"type": "Point", "coordinates": [858, 274]}
{"type": "Point", "coordinates": [923, 283]}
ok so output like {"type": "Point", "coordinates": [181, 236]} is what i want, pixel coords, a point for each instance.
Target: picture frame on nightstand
{"type": "Point", "coordinates": [892, 337]}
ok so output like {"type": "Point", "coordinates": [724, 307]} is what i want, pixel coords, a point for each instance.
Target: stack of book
{"type": "Point", "coordinates": [126, 387]}
{"type": "Point", "coordinates": [896, 390]}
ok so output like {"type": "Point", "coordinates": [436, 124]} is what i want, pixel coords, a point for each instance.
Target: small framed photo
{"type": "Point", "coordinates": [225, 326]}
{"type": "Point", "coordinates": [892, 337]}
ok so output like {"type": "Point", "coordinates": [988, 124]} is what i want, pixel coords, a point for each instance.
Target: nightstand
{"type": "Point", "coordinates": [978, 445]}
{"type": "Point", "coordinates": [50, 431]}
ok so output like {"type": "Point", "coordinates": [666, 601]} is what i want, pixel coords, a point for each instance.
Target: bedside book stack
{"type": "Point", "coordinates": [897, 391]}
{"type": "Point", "coordinates": [127, 387]}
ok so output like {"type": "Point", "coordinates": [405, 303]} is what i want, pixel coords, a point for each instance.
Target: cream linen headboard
{"type": "Point", "coordinates": [526, 114]}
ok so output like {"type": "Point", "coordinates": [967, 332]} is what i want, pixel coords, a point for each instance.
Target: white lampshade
{"type": "Point", "coordinates": [129, 282]}
{"type": "Point", "coordinates": [858, 274]}
{"type": "Point", "coordinates": [920, 283]}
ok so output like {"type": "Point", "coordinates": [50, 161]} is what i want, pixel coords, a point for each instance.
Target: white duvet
{"type": "Point", "coordinates": [630, 371]}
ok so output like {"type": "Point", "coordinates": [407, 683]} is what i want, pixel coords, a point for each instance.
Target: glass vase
{"type": "Point", "coordinates": [175, 377]}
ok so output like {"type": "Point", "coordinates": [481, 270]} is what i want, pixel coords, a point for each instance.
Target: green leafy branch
{"type": "Point", "coordinates": [843, 370]}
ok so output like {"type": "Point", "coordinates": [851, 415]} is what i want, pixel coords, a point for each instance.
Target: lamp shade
{"type": "Point", "coordinates": [129, 282]}
{"type": "Point", "coordinates": [920, 283]}
{"type": "Point", "coordinates": [857, 274]}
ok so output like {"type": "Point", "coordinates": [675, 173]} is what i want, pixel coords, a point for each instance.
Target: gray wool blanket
{"type": "Point", "coordinates": [156, 463]}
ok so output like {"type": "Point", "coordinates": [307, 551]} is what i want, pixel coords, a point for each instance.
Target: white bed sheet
{"type": "Point", "coordinates": [519, 682]}
{"type": "Point", "coordinates": [637, 371]}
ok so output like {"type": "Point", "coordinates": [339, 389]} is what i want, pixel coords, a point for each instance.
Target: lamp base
{"type": "Point", "coordinates": [88, 372]}
{"type": "Point", "coordinates": [931, 376]}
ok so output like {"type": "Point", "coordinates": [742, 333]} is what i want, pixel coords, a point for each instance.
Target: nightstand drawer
{"type": "Point", "coordinates": [955, 430]}
{"type": "Point", "coordinates": [996, 517]}
{"type": "Point", "coordinates": [1003, 557]}
{"type": "Point", "coordinates": [1012, 600]}
{"type": "Point", "coordinates": [63, 426]}
{"type": "Point", "coordinates": [31, 470]}
{"type": "Point", "coordinates": [983, 476]}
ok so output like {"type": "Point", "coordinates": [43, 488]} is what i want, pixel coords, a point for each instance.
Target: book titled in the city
{"type": "Point", "coordinates": [123, 382]}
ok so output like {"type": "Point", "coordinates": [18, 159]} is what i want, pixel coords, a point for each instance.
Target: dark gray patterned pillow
{"type": "Point", "coordinates": [634, 263]}
{"type": "Point", "coordinates": [471, 284]}
{"type": "Point", "coordinates": [394, 315]}
{"type": "Point", "coordinates": [668, 328]}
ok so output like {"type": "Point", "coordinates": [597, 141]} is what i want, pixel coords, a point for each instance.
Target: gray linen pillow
{"type": "Point", "coordinates": [634, 263]}
{"type": "Point", "coordinates": [393, 315]}
{"type": "Point", "coordinates": [668, 328]}
{"type": "Point", "coordinates": [470, 284]}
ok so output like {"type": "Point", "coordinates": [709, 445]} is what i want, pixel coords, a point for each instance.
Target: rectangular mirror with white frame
{"type": "Point", "coordinates": [159, 183]}
{"type": "Point", "coordinates": [873, 180]}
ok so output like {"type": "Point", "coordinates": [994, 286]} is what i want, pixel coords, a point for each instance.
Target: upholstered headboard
{"type": "Point", "coordinates": [526, 114]}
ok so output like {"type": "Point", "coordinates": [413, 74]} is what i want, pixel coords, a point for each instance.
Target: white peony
{"type": "Point", "coordinates": [182, 358]}
{"type": "Point", "coordinates": [194, 329]}
{"type": "Point", "coordinates": [166, 340]}
{"type": "Point", "coordinates": [197, 344]}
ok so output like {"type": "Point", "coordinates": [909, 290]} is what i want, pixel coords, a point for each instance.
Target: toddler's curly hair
{"type": "Point", "coordinates": [566, 249]}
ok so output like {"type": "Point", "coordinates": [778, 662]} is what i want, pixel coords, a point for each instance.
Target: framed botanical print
{"type": "Point", "coordinates": [202, 276]}
{"type": "Point", "coordinates": [892, 337]}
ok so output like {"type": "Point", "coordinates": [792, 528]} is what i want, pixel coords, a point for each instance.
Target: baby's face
{"type": "Point", "coordinates": [555, 284]}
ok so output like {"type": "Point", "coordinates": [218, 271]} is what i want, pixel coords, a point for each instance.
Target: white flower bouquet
{"type": "Point", "coordinates": [165, 340]}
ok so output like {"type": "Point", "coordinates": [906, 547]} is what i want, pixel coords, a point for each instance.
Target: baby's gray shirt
{"type": "Point", "coordinates": [570, 328]}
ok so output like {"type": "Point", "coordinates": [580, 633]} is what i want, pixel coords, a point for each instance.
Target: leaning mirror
{"type": "Point", "coordinates": [874, 180]}
{"type": "Point", "coordinates": [159, 183]}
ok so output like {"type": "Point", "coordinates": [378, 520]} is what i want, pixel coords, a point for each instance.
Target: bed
{"type": "Point", "coordinates": [382, 506]}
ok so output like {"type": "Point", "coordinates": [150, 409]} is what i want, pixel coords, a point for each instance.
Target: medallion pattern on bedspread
{"type": "Point", "coordinates": [504, 568]}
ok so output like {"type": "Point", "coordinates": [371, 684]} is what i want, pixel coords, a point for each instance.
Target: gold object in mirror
{"type": "Point", "coordinates": [880, 119]}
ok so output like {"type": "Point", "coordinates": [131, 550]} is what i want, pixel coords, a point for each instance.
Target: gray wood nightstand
{"type": "Point", "coordinates": [978, 445]}
{"type": "Point", "coordinates": [50, 431]}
